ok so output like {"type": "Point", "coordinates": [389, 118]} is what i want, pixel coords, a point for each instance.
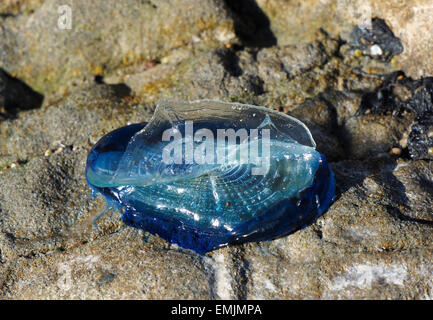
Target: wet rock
{"type": "Point", "coordinates": [388, 203]}
{"type": "Point", "coordinates": [416, 182]}
{"type": "Point", "coordinates": [364, 275]}
{"type": "Point", "coordinates": [345, 103]}
{"type": "Point", "coordinates": [294, 22]}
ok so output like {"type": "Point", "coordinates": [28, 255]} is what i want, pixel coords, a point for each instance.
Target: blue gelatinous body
{"type": "Point", "coordinates": [203, 206]}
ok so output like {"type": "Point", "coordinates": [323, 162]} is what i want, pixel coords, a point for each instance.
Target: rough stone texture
{"type": "Point", "coordinates": [262, 76]}
{"type": "Point", "coordinates": [353, 251]}
{"type": "Point", "coordinates": [13, 7]}
{"type": "Point", "coordinates": [110, 270]}
{"type": "Point", "coordinates": [57, 241]}
{"type": "Point", "coordinates": [399, 95]}
{"type": "Point", "coordinates": [78, 121]}
{"type": "Point", "coordinates": [371, 135]}
{"type": "Point", "coordinates": [105, 35]}
{"type": "Point", "coordinates": [411, 22]}
{"type": "Point", "coordinates": [296, 21]}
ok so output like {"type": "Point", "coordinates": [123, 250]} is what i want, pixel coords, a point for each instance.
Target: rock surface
{"type": "Point", "coordinates": [38, 51]}
{"type": "Point", "coordinates": [60, 91]}
{"type": "Point", "coordinates": [410, 20]}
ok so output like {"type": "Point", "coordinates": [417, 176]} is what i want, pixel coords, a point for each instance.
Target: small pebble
{"type": "Point", "coordinates": [396, 151]}
{"type": "Point", "coordinates": [376, 50]}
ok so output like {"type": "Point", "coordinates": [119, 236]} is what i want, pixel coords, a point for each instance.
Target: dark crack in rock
{"type": "Point", "coordinates": [15, 95]}
{"type": "Point", "coordinates": [251, 24]}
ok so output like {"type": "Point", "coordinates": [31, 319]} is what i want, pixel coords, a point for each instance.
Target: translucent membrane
{"type": "Point", "coordinates": [198, 202]}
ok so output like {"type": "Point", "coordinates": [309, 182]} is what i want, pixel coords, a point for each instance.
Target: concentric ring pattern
{"type": "Point", "coordinates": [206, 205]}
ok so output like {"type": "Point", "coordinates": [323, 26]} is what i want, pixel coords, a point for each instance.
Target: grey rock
{"type": "Point", "coordinates": [120, 266]}
{"type": "Point", "coordinates": [57, 241]}
{"type": "Point", "coordinates": [105, 35]}
{"type": "Point", "coordinates": [77, 121]}
{"type": "Point", "coordinates": [13, 7]}
{"type": "Point", "coordinates": [294, 22]}
{"type": "Point", "coordinates": [359, 249]}
{"type": "Point", "coordinates": [370, 135]}
{"type": "Point", "coordinates": [281, 63]}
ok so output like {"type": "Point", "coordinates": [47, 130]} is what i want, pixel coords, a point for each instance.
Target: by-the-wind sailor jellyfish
{"type": "Point", "coordinates": [205, 174]}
